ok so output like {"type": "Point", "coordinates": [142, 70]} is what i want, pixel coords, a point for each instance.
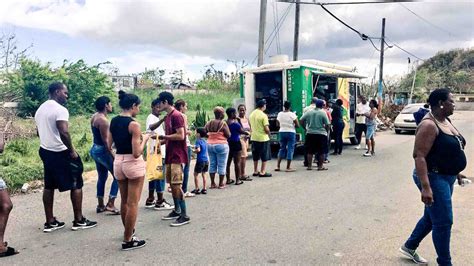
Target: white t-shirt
{"type": "Point", "coordinates": [46, 116]}
{"type": "Point", "coordinates": [362, 109]}
{"type": "Point", "coordinates": [286, 121]}
{"type": "Point", "coordinates": [152, 119]}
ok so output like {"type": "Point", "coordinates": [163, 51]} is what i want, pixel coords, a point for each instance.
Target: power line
{"type": "Point", "coordinates": [428, 22]}
{"type": "Point", "coordinates": [275, 18]}
{"type": "Point", "coordinates": [346, 3]}
{"type": "Point", "coordinates": [362, 36]}
{"type": "Point", "coordinates": [279, 24]}
{"type": "Point", "coordinates": [399, 47]}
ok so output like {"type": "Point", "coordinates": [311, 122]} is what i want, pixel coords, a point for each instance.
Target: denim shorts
{"type": "Point", "coordinates": [3, 185]}
{"type": "Point", "coordinates": [370, 132]}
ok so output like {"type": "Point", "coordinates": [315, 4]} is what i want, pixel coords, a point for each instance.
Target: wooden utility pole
{"type": "Point", "coordinates": [382, 44]}
{"type": "Point", "coordinates": [297, 30]}
{"type": "Point", "coordinates": [261, 32]}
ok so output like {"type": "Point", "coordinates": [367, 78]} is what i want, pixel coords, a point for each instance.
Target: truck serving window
{"type": "Point", "coordinates": [324, 87]}
{"type": "Point", "coordinates": [269, 86]}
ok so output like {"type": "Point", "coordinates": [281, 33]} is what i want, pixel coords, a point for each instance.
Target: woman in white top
{"type": "Point", "coordinates": [287, 121]}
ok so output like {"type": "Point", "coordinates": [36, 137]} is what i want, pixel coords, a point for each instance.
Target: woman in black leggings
{"type": "Point", "coordinates": [337, 126]}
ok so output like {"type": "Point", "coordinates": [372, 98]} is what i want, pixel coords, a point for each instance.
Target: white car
{"type": "Point", "coordinates": [405, 121]}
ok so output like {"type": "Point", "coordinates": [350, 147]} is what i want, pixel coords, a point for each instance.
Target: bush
{"type": "Point", "coordinates": [15, 176]}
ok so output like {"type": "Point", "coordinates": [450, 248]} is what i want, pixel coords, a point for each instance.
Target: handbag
{"type": "Point", "coordinates": [154, 162]}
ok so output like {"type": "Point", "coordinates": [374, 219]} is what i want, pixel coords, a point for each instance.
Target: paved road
{"type": "Point", "coordinates": [358, 212]}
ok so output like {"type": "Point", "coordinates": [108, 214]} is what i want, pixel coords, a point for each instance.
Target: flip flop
{"type": "Point", "coordinates": [246, 178]}
{"type": "Point", "coordinates": [213, 187]}
{"type": "Point", "coordinates": [240, 182]}
{"type": "Point", "coordinates": [322, 169]}
{"type": "Point", "coordinates": [221, 187]}
{"type": "Point", "coordinates": [290, 170]}
{"type": "Point", "coordinates": [114, 211]}
{"type": "Point", "coordinates": [230, 182]}
{"type": "Point", "coordinates": [9, 252]}
{"type": "Point", "coordinates": [277, 170]}
{"type": "Point", "coordinates": [265, 175]}
{"type": "Point", "coordinates": [255, 174]}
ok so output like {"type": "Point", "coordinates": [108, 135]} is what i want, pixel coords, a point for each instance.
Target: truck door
{"type": "Point", "coordinates": [269, 86]}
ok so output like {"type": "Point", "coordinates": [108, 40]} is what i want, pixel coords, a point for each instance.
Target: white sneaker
{"type": "Point", "coordinates": [189, 194]}
{"type": "Point", "coordinates": [367, 154]}
{"type": "Point", "coordinates": [163, 206]}
{"type": "Point", "coordinates": [357, 147]}
{"type": "Point", "coordinates": [411, 254]}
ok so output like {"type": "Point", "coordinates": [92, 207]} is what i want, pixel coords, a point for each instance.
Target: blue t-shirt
{"type": "Point", "coordinates": [234, 131]}
{"type": "Point", "coordinates": [202, 154]}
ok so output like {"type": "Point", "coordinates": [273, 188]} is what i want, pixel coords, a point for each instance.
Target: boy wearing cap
{"type": "Point", "coordinates": [260, 138]}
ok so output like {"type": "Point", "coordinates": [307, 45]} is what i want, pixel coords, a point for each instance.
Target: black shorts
{"type": "Point", "coordinates": [234, 147]}
{"type": "Point", "coordinates": [60, 171]}
{"type": "Point", "coordinates": [261, 151]}
{"type": "Point", "coordinates": [316, 143]}
{"type": "Point", "coordinates": [201, 167]}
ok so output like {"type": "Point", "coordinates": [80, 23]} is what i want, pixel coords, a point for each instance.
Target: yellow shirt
{"type": "Point", "coordinates": [258, 121]}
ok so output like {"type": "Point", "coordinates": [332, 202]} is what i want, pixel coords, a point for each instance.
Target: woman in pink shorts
{"type": "Point", "coordinates": [129, 167]}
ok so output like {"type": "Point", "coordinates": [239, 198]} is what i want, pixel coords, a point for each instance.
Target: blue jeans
{"type": "Point", "coordinates": [218, 154]}
{"type": "Point", "coordinates": [159, 184]}
{"type": "Point", "coordinates": [104, 163]}
{"type": "Point", "coordinates": [184, 186]}
{"type": "Point", "coordinates": [438, 218]}
{"type": "Point", "coordinates": [287, 145]}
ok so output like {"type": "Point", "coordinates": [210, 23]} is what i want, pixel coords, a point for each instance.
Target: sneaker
{"type": "Point", "coordinates": [171, 216]}
{"type": "Point", "coordinates": [367, 154]}
{"type": "Point", "coordinates": [83, 224]}
{"type": "Point", "coordinates": [149, 204]}
{"type": "Point", "coordinates": [182, 220]}
{"type": "Point", "coordinates": [163, 206]}
{"type": "Point", "coordinates": [53, 226]}
{"type": "Point", "coordinates": [189, 194]}
{"type": "Point", "coordinates": [411, 254]}
{"type": "Point", "coordinates": [133, 244]}
{"type": "Point", "coordinates": [357, 147]}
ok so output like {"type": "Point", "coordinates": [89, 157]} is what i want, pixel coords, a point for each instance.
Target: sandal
{"type": "Point", "coordinates": [221, 187]}
{"type": "Point", "coordinates": [230, 182]}
{"type": "Point", "coordinates": [290, 170]}
{"type": "Point", "coordinates": [239, 182]}
{"type": "Point", "coordinates": [196, 191]}
{"type": "Point", "coordinates": [322, 169]}
{"type": "Point", "coordinates": [246, 178]}
{"type": "Point", "coordinates": [113, 211]}
{"type": "Point", "coordinates": [277, 170]}
{"type": "Point", "coordinates": [204, 191]}
{"type": "Point", "coordinates": [255, 174]}
{"type": "Point", "coordinates": [213, 186]}
{"type": "Point", "coordinates": [9, 252]}
{"type": "Point", "coordinates": [265, 175]}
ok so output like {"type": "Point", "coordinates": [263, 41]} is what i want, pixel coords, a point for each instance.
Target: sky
{"type": "Point", "coordinates": [193, 34]}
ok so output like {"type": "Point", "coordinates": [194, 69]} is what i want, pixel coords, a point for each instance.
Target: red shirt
{"type": "Point", "coordinates": [176, 150]}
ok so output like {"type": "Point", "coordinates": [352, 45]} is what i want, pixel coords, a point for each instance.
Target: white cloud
{"type": "Point", "coordinates": [207, 31]}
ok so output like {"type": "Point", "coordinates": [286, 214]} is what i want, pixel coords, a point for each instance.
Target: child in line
{"type": "Point", "coordinates": [202, 161]}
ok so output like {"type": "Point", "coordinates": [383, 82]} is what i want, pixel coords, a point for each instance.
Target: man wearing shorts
{"type": "Point", "coordinates": [5, 208]}
{"type": "Point", "coordinates": [260, 138]}
{"type": "Point", "coordinates": [317, 124]}
{"type": "Point", "coordinates": [176, 157]}
{"type": "Point", "coordinates": [62, 165]}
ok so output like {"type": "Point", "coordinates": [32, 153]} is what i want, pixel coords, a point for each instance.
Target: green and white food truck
{"type": "Point", "coordinates": [298, 82]}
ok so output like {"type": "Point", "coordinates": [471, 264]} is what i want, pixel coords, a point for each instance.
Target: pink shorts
{"type": "Point", "coordinates": [128, 167]}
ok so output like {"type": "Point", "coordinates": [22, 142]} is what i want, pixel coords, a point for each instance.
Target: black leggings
{"type": "Point", "coordinates": [338, 128]}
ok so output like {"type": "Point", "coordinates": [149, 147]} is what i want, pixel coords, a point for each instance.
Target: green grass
{"type": "Point", "coordinates": [20, 162]}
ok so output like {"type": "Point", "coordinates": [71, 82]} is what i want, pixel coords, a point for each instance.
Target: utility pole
{"type": "Point", "coordinates": [261, 32]}
{"type": "Point", "coordinates": [413, 83]}
{"type": "Point", "coordinates": [382, 44]}
{"type": "Point", "coordinates": [297, 30]}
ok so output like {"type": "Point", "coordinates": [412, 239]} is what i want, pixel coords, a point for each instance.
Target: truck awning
{"type": "Point", "coordinates": [337, 73]}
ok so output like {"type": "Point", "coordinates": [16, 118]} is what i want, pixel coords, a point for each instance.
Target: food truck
{"type": "Point", "coordinates": [298, 82]}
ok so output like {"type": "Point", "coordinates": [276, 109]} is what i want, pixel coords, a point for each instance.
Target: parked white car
{"type": "Point", "coordinates": [405, 121]}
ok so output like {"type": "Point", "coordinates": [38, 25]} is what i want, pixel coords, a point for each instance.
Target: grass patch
{"type": "Point", "coordinates": [20, 162]}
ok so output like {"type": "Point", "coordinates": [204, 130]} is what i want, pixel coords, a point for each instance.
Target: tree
{"type": "Point", "coordinates": [85, 83]}
{"type": "Point", "coordinates": [10, 54]}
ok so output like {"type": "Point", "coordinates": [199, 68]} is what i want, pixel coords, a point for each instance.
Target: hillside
{"type": "Point", "coordinates": [453, 69]}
